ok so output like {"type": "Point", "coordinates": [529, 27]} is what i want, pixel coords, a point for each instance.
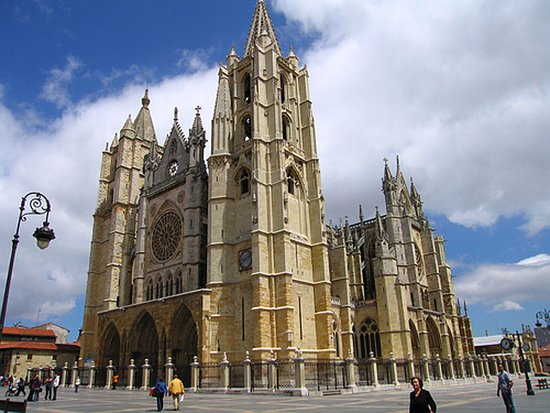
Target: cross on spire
{"type": "Point", "coordinates": [198, 109]}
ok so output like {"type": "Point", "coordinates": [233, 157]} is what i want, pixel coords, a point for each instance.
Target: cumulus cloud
{"type": "Point", "coordinates": [504, 287]}
{"type": "Point", "coordinates": [459, 90]}
{"type": "Point", "coordinates": [61, 160]}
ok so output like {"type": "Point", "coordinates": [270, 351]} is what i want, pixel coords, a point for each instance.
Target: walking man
{"type": "Point", "coordinates": [176, 389]}
{"type": "Point", "coordinates": [504, 387]}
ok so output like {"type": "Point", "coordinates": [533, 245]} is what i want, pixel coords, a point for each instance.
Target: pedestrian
{"type": "Point", "coordinates": [36, 388]}
{"type": "Point", "coordinates": [21, 387]}
{"type": "Point", "coordinates": [76, 384]}
{"type": "Point", "coordinates": [421, 400]}
{"type": "Point", "coordinates": [159, 391]}
{"type": "Point", "coordinates": [177, 390]}
{"type": "Point", "coordinates": [115, 381]}
{"type": "Point", "coordinates": [55, 386]}
{"type": "Point", "coordinates": [48, 383]}
{"type": "Point", "coordinates": [504, 387]}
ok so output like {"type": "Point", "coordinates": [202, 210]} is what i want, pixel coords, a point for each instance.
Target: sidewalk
{"type": "Point", "coordinates": [453, 399]}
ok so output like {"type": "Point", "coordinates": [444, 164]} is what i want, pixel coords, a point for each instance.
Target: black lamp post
{"type": "Point", "coordinates": [39, 205]}
{"type": "Point", "coordinates": [530, 391]}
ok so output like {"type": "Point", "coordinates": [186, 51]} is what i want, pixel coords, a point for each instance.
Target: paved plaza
{"type": "Point", "coordinates": [450, 399]}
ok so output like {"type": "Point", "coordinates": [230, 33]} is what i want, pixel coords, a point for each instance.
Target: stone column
{"type": "Point", "coordinates": [425, 368]}
{"type": "Point", "coordinates": [462, 364]}
{"type": "Point", "coordinates": [350, 372]}
{"type": "Point", "coordinates": [247, 372]}
{"type": "Point", "coordinates": [92, 375]}
{"type": "Point", "coordinates": [64, 374]}
{"type": "Point", "coordinates": [224, 372]}
{"type": "Point", "coordinates": [300, 375]}
{"type": "Point", "coordinates": [393, 369]}
{"type": "Point", "coordinates": [272, 372]}
{"type": "Point", "coordinates": [195, 374]}
{"type": "Point", "coordinates": [373, 369]}
{"type": "Point", "coordinates": [439, 368]}
{"type": "Point", "coordinates": [145, 375]}
{"type": "Point", "coordinates": [516, 366]}
{"type": "Point", "coordinates": [451, 368]}
{"type": "Point", "coordinates": [29, 373]}
{"type": "Point", "coordinates": [169, 370]}
{"type": "Point", "coordinates": [110, 371]}
{"type": "Point", "coordinates": [487, 368]}
{"type": "Point", "coordinates": [472, 366]}
{"type": "Point", "coordinates": [495, 365]}
{"type": "Point", "coordinates": [131, 373]}
{"type": "Point", "coordinates": [74, 373]}
{"type": "Point", "coordinates": [481, 366]}
{"type": "Point", "coordinates": [411, 365]}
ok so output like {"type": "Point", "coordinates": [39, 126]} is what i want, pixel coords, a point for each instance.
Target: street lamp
{"type": "Point", "coordinates": [530, 391]}
{"type": "Point", "coordinates": [39, 205]}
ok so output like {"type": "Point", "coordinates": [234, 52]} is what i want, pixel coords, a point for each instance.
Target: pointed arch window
{"type": "Point", "coordinates": [286, 128]}
{"type": "Point", "coordinates": [368, 339]}
{"type": "Point", "coordinates": [149, 291]}
{"type": "Point", "coordinates": [247, 88]}
{"type": "Point", "coordinates": [283, 88]}
{"type": "Point", "coordinates": [244, 181]}
{"type": "Point", "coordinates": [368, 253]}
{"type": "Point", "coordinates": [179, 285]}
{"type": "Point", "coordinates": [291, 182]}
{"type": "Point", "coordinates": [247, 128]}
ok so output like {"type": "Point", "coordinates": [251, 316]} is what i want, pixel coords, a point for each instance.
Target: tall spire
{"type": "Point", "coordinates": [261, 25]}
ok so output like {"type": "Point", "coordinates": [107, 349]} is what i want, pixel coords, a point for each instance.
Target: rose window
{"type": "Point", "coordinates": [166, 236]}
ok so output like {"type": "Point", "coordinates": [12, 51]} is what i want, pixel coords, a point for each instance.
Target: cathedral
{"type": "Point", "coordinates": [231, 255]}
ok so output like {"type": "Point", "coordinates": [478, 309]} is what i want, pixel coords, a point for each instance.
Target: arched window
{"type": "Point", "coordinates": [415, 342]}
{"type": "Point", "coordinates": [149, 291]}
{"type": "Point", "coordinates": [247, 88]}
{"type": "Point", "coordinates": [244, 182]}
{"type": "Point", "coordinates": [286, 128]}
{"type": "Point", "coordinates": [179, 287]}
{"type": "Point", "coordinates": [434, 337]}
{"type": "Point", "coordinates": [159, 289]}
{"type": "Point", "coordinates": [290, 182]}
{"type": "Point", "coordinates": [335, 337]}
{"type": "Point", "coordinates": [247, 128]}
{"type": "Point", "coordinates": [283, 89]}
{"type": "Point", "coordinates": [369, 339]}
{"type": "Point", "coordinates": [368, 253]}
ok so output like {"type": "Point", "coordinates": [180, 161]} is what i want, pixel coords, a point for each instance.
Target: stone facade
{"type": "Point", "coordinates": [188, 260]}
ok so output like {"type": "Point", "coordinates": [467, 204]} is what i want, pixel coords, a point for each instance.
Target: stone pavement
{"type": "Point", "coordinates": [450, 399]}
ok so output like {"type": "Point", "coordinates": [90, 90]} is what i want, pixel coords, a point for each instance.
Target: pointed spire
{"type": "Point", "coordinates": [465, 309]}
{"type": "Point", "coordinates": [388, 177]}
{"type": "Point", "coordinates": [261, 25]}
{"type": "Point", "coordinates": [458, 307]}
{"type": "Point", "coordinates": [128, 124]}
{"type": "Point", "coordinates": [398, 165]}
{"type": "Point", "coordinates": [175, 114]}
{"type": "Point", "coordinates": [145, 100]}
{"type": "Point", "coordinates": [414, 193]}
{"type": "Point", "coordinates": [197, 123]}
{"type": "Point", "coordinates": [361, 216]}
{"type": "Point", "coordinates": [232, 56]}
{"type": "Point", "coordinates": [292, 58]}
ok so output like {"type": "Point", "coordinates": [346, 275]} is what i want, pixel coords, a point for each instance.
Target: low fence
{"type": "Point", "coordinates": [272, 375]}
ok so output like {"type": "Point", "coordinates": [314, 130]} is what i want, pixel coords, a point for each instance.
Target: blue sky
{"type": "Point", "coordinates": [459, 90]}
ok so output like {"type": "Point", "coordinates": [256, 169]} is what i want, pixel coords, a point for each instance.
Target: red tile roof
{"type": "Point", "coordinates": [22, 331]}
{"type": "Point", "coordinates": [544, 351]}
{"type": "Point", "coordinates": [28, 345]}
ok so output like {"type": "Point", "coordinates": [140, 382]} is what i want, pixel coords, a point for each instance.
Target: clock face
{"type": "Point", "coordinates": [245, 260]}
{"type": "Point", "coordinates": [173, 168]}
{"type": "Point", "coordinates": [506, 344]}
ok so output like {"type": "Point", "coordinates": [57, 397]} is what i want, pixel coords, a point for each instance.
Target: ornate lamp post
{"type": "Point", "coordinates": [530, 391]}
{"type": "Point", "coordinates": [39, 205]}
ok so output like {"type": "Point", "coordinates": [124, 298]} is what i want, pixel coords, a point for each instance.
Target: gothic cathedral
{"type": "Point", "coordinates": [232, 255]}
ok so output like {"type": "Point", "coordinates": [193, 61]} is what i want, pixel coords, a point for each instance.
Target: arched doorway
{"type": "Point", "coordinates": [110, 346]}
{"type": "Point", "coordinates": [144, 343]}
{"type": "Point", "coordinates": [415, 341]}
{"type": "Point", "coordinates": [434, 337]}
{"type": "Point", "coordinates": [184, 342]}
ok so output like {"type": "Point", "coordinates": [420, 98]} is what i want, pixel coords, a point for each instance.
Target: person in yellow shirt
{"type": "Point", "coordinates": [176, 389]}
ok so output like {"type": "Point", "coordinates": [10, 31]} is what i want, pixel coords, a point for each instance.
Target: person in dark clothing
{"type": "Point", "coordinates": [21, 387]}
{"type": "Point", "coordinates": [160, 391]}
{"type": "Point", "coordinates": [421, 400]}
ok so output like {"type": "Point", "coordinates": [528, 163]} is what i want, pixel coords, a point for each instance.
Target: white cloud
{"type": "Point", "coordinates": [507, 286]}
{"type": "Point", "coordinates": [459, 90]}
{"type": "Point", "coordinates": [61, 160]}
{"type": "Point", "coordinates": [55, 90]}
{"type": "Point", "coordinates": [507, 306]}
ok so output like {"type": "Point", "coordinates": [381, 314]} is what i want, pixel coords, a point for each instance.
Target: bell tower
{"type": "Point", "coordinates": [267, 249]}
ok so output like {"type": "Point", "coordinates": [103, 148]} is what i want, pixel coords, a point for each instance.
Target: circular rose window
{"type": "Point", "coordinates": [166, 236]}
